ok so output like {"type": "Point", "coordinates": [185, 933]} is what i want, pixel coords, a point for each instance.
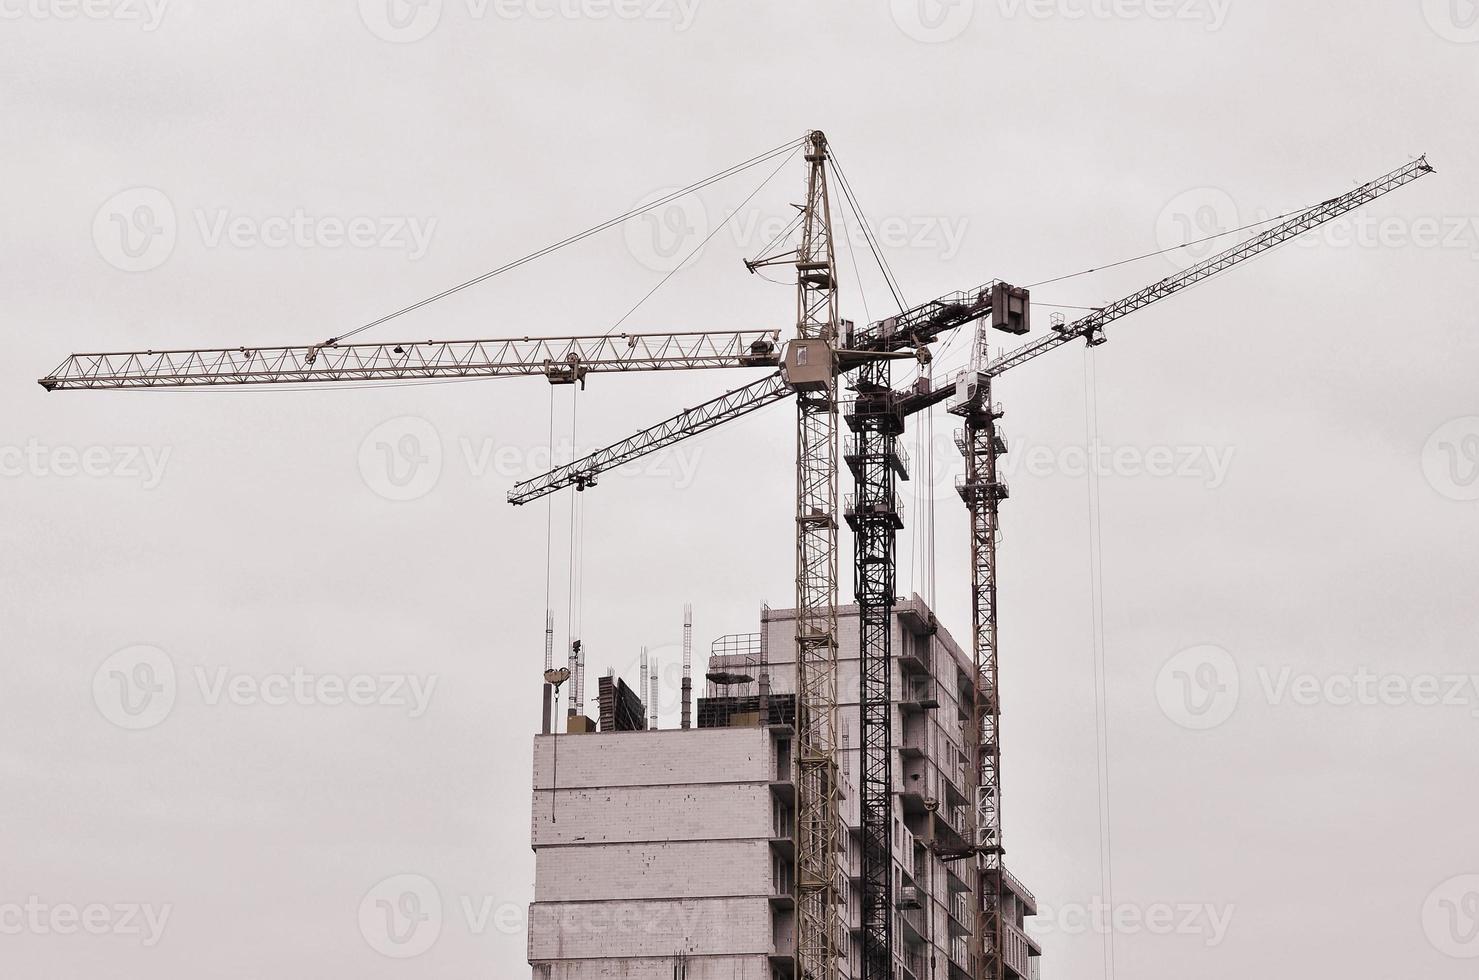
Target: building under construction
{"type": "Point", "coordinates": [672, 853]}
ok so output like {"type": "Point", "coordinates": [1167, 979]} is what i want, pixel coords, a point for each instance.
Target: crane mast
{"type": "Point", "coordinates": [873, 514]}
{"type": "Point", "coordinates": [810, 368]}
{"type": "Point", "coordinates": [982, 491]}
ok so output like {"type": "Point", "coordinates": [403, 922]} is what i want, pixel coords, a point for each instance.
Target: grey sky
{"type": "Point", "coordinates": [318, 175]}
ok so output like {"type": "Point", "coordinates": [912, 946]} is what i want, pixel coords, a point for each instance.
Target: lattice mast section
{"type": "Point", "coordinates": [873, 513]}
{"type": "Point", "coordinates": [983, 490]}
{"type": "Point", "coordinates": [819, 935]}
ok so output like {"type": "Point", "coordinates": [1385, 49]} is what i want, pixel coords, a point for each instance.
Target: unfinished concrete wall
{"type": "Point", "coordinates": [652, 813]}
{"type": "Point", "coordinates": [652, 844]}
{"type": "Point", "coordinates": [650, 928]}
{"type": "Point", "coordinates": [670, 757]}
{"type": "Point", "coordinates": [699, 968]}
{"type": "Point", "coordinates": [681, 869]}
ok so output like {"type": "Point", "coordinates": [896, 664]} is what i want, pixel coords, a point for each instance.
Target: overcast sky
{"type": "Point", "coordinates": [1288, 487]}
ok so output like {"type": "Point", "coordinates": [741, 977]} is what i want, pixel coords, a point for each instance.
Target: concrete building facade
{"type": "Point", "coordinates": [671, 854]}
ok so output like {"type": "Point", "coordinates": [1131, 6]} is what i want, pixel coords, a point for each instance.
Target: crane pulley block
{"type": "Point", "coordinates": [762, 353]}
{"type": "Point", "coordinates": [569, 373]}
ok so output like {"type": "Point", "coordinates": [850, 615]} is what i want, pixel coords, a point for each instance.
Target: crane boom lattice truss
{"type": "Point", "coordinates": [583, 472]}
{"type": "Point", "coordinates": [811, 368]}
{"type": "Point", "coordinates": [1091, 326]}
{"type": "Point", "coordinates": [561, 359]}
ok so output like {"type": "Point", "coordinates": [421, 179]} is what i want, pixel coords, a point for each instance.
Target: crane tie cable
{"type": "Point", "coordinates": [572, 239]}
{"type": "Point", "coordinates": [699, 247]}
{"type": "Point", "coordinates": [883, 266]}
{"type": "Point", "coordinates": [1173, 248]}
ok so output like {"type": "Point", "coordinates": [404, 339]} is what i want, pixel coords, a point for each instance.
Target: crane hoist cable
{"type": "Point", "coordinates": [572, 584]}
{"type": "Point", "coordinates": [1096, 611]}
{"type": "Point", "coordinates": [929, 482]}
{"type": "Point", "coordinates": [549, 531]}
{"type": "Point", "coordinates": [575, 573]}
{"type": "Point", "coordinates": [578, 237]}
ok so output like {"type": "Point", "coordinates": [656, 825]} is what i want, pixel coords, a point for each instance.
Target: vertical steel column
{"type": "Point", "coordinates": [642, 692]}
{"type": "Point", "coordinates": [574, 675]}
{"type": "Point", "coordinates": [819, 936]}
{"type": "Point", "coordinates": [687, 717]}
{"type": "Point", "coordinates": [654, 690]}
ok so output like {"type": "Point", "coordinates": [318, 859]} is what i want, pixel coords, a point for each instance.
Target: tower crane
{"type": "Point", "coordinates": [877, 419]}
{"type": "Point", "coordinates": [808, 364]}
{"type": "Point", "coordinates": [824, 350]}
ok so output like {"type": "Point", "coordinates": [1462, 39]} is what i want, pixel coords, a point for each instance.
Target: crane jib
{"type": "Point", "coordinates": [560, 359]}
